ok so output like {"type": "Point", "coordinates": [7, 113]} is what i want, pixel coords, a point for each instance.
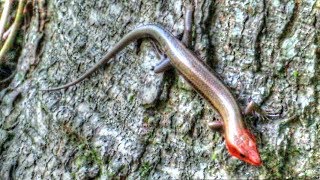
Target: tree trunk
{"type": "Point", "coordinates": [127, 121]}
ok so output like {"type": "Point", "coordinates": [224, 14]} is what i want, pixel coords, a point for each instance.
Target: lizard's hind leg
{"type": "Point", "coordinates": [186, 40]}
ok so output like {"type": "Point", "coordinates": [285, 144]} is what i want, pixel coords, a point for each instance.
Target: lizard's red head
{"type": "Point", "coordinates": [244, 148]}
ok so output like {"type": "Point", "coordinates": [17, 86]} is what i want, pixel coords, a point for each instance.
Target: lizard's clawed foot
{"type": "Point", "coordinates": [255, 109]}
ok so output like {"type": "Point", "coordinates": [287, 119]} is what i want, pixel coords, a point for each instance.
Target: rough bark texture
{"type": "Point", "coordinates": [127, 121]}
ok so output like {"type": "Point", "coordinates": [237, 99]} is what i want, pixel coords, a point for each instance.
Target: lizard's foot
{"type": "Point", "coordinates": [255, 109]}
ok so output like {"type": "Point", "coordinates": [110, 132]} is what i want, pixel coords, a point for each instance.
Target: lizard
{"type": "Point", "coordinates": [239, 141]}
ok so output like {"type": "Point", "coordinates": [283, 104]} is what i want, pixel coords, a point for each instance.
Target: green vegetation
{"type": "Point", "coordinates": [145, 169]}
{"type": "Point", "coordinates": [87, 155]}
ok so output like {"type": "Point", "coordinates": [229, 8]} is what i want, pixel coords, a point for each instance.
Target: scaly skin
{"type": "Point", "coordinates": [239, 141]}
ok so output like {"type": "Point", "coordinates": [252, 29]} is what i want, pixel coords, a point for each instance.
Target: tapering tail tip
{"type": "Point", "coordinates": [45, 90]}
{"type": "Point", "coordinates": [55, 88]}
{"type": "Point", "coordinates": [48, 90]}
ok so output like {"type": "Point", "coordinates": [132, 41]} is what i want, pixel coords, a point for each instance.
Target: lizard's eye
{"type": "Point", "coordinates": [242, 155]}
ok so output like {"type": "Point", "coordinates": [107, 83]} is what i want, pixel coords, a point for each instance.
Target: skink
{"type": "Point", "coordinates": [239, 141]}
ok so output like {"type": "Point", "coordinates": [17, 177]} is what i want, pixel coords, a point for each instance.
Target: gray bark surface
{"type": "Point", "coordinates": [127, 121]}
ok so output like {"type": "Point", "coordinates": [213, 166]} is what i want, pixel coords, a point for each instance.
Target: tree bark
{"type": "Point", "coordinates": [127, 121]}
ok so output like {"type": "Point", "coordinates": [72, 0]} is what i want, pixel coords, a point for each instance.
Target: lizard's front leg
{"type": "Point", "coordinates": [252, 107]}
